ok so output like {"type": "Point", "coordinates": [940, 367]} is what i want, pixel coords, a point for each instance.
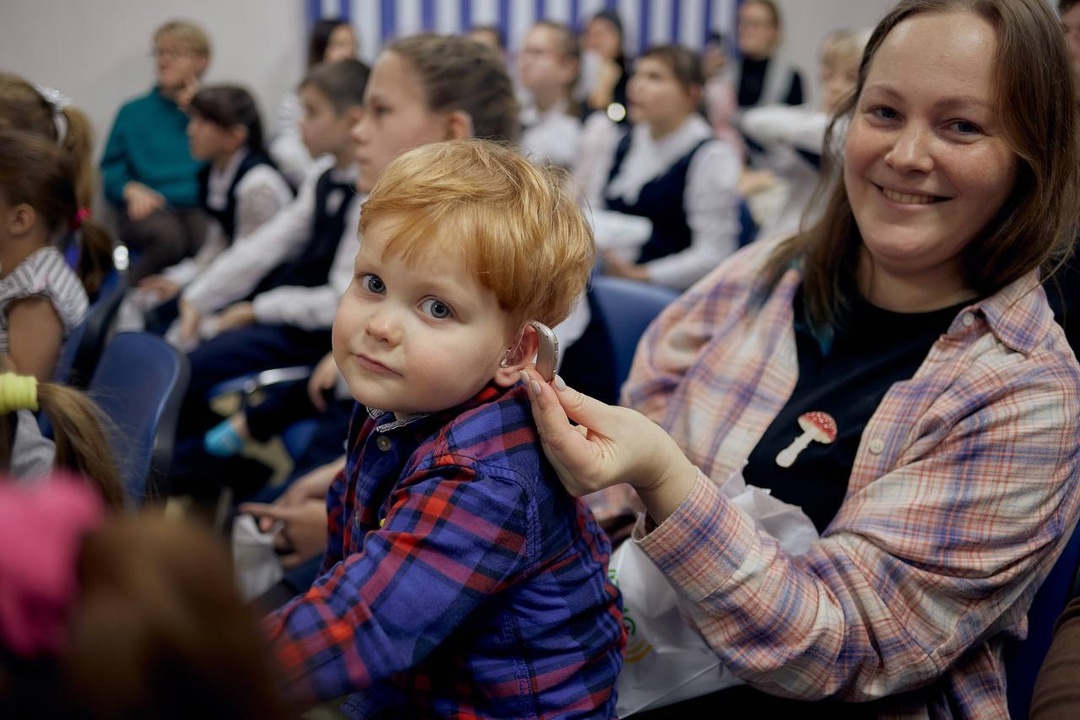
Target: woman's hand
{"type": "Point", "coordinates": [608, 446]}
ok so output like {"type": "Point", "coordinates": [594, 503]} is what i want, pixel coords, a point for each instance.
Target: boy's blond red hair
{"type": "Point", "coordinates": [516, 224]}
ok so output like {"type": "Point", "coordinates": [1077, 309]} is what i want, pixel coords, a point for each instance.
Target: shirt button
{"type": "Point", "coordinates": [383, 443]}
{"type": "Point", "coordinates": [877, 445]}
{"type": "Point", "coordinates": [968, 319]}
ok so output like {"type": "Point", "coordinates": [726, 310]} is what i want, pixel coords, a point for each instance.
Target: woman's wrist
{"type": "Point", "coordinates": [671, 483]}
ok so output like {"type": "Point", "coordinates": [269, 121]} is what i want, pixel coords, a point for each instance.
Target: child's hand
{"type": "Point", "coordinates": [302, 509]}
{"type": "Point", "coordinates": [615, 266]}
{"type": "Point", "coordinates": [752, 182]}
{"type": "Point", "coordinates": [323, 377]}
{"type": "Point", "coordinates": [189, 322]}
{"type": "Point", "coordinates": [142, 202]}
{"type": "Point", "coordinates": [161, 286]}
{"type": "Point", "coordinates": [303, 533]}
{"type": "Point", "coordinates": [236, 316]}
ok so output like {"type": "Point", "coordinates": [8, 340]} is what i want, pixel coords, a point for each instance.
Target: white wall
{"type": "Point", "coordinates": [98, 51]}
{"type": "Point", "coordinates": [807, 22]}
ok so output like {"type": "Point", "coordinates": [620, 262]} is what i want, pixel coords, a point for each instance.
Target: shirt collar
{"type": "Point", "coordinates": [532, 115]}
{"type": "Point", "coordinates": [648, 158]}
{"type": "Point", "coordinates": [160, 95]}
{"type": "Point", "coordinates": [348, 176]}
{"type": "Point", "coordinates": [220, 181]}
{"type": "Point", "coordinates": [420, 421]}
{"type": "Point", "coordinates": [1017, 314]}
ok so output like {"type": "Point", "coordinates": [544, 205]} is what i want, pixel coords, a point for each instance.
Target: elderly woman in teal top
{"type": "Point", "coordinates": [147, 169]}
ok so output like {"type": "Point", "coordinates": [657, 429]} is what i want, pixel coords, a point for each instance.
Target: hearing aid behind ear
{"type": "Point", "coordinates": [547, 354]}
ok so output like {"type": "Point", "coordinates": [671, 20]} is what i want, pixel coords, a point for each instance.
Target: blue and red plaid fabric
{"type": "Point", "coordinates": [460, 581]}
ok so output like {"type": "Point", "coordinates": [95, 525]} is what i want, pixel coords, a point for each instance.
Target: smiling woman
{"type": "Point", "coordinates": [910, 322]}
{"type": "Point", "coordinates": [928, 163]}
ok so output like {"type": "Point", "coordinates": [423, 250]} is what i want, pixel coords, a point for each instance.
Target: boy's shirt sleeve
{"type": "Point", "coordinates": [335, 522]}
{"type": "Point", "coordinates": [449, 541]}
{"type": "Point", "coordinates": [114, 161]}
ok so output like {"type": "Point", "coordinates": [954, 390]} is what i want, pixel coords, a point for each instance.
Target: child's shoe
{"type": "Point", "coordinates": [223, 440]}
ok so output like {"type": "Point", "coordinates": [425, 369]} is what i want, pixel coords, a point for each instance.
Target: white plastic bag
{"type": "Point", "coordinates": [256, 564]}
{"type": "Point", "coordinates": [666, 658]}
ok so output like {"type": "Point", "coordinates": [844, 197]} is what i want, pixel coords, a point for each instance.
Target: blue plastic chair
{"type": "Point", "coordinates": [599, 361]}
{"type": "Point", "coordinates": [748, 227]}
{"type": "Point", "coordinates": [84, 346]}
{"type": "Point", "coordinates": [626, 308]}
{"type": "Point", "coordinates": [139, 384]}
{"type": "Point", "coordinates": [1024, 659]}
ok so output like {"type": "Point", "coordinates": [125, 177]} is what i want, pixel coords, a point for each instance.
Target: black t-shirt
{"type": "Point", "coordinates": [806, 455]}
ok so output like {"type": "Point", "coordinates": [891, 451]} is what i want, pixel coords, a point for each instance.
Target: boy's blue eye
{"type": "Point", "coordinates": [372, 283]}
{"type": "Point", "coordinates": [437, 308]}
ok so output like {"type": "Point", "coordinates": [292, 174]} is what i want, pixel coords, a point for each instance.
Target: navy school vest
{"type": "Point", "coordinates": [227, 216]}
{"type": "Point", "coordinates": [661, 201]}
{"type": "Point", "coordinates": [311, 268]}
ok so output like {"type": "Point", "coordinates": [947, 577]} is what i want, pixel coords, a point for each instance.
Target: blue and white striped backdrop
{"type": "Point", "coordinates": [646, 22]}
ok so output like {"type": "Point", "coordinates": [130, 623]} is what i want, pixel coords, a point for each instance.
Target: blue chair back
{"type": "Point", "coordinates": [1024, 659]}
{"type": "Point", "coordinates": [140, 383]}
{"type": "Point", "coordinates": [626, 307]}
{"type": "Point", "coordinates": [84, 346]}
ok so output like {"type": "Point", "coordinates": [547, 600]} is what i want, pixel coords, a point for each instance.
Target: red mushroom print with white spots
{"type": "Point", "coordinates": [817, 426]}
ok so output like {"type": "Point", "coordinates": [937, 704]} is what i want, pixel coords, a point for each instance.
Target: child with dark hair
{"type": "Point", "coordinates": [332, 39]}
{"type": "Point", "coordinates": [44, 111]}
{"type": "Point", "coordinates": [549, 65]}
{"type": "Point", "coordinates": [672, 171]}
{"type": "Point", "coordinates": [240, 188]}
{"type": "Point", "coordinates": [269, 300]}
{"type": "Point", "coordinates": [607, 67]}
{"type": "Point", "coordinates": [41, 298]}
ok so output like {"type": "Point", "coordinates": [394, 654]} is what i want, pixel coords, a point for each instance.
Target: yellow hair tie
{"type": "Point", "coordinates": [17, 392]}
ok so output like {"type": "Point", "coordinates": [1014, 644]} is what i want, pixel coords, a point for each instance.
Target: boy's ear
{"type": "Point", "coordinates": [517, 357]}
{"type": "Point", "coordinates": [459, 125]}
